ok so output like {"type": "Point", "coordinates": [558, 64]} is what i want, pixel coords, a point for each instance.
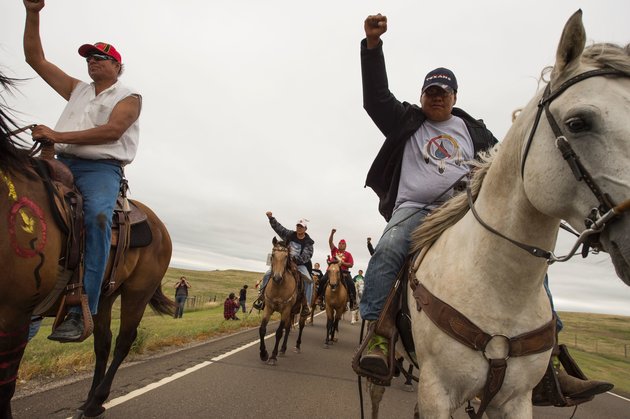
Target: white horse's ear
{"type": "Point", "coordinates": [274, 240]}
{"type": "Point", "coordinates": [571, 44]}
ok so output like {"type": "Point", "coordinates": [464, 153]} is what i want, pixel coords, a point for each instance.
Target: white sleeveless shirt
{"type": "Point", "coordinates": [85, 110]}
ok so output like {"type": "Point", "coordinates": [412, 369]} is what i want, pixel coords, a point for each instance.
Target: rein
{"type": "Point", "coordinates": [599, 217]}
{"type": "Point", "coordinates": [38, 144]}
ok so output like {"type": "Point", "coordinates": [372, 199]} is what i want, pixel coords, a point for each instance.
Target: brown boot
{"type": "Point", "coordinates": [375, 359]}
{"type": "Point", "coordinates": [576, 388]}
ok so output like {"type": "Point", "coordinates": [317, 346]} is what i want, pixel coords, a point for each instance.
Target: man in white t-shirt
{"type": "Point", "coordinates": [96, 135]}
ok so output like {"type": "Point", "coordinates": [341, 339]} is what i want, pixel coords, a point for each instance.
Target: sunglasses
{"type": "Point", "coordinates": [99, 57]}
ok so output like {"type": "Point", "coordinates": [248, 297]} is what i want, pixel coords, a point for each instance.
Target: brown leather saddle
{"type": "Point", "coordinates": [130, 229]}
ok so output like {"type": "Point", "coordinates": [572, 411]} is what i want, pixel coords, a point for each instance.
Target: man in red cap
{"type": "Point", "coordinates": [96, 135]}
{"type": "Point", "coordinates": [346, 263]}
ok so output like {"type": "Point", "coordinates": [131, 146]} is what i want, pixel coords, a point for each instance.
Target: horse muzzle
{"type": "Point", "coordinates": [277, 278]}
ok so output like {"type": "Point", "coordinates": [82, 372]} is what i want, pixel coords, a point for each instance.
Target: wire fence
{"type": "Point", "coordinates": [196, 301]}
{"type": "Point", "coordinates": [598, 345]}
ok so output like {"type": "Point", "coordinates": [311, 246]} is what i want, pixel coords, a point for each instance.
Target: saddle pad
{"type": "Point", "coordinates": [141, 235]}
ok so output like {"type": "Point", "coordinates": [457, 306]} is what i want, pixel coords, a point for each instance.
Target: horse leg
{"type": "Point", "coordinates": [102, 346]}
{"type": "Point", "coordinates": [287, 329]}
{"type": "Point", "coordinates": [329, 325]}
{"type": "Point", "coordinates": [376, 395]}
{"type": "Point", "coordinates": [301, 324]}
{"type": "Point", "coordinates": [12, 345]}
{"type": "Point", "coordinates": [262, 331]}
{"type": "Point", "coordinates": [132, 309]}
{"type": "Point", "coordinates": [274, 354]}
{"type": "Point", "coordinates": [336, 326]}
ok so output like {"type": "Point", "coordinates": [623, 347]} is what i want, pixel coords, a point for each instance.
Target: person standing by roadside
{"type": "Point", "coordinates": [181, 295]}
{"type": "Point", "coordinates": [242, 298]}
{"type": "Point", "coordinates": [230, 307]}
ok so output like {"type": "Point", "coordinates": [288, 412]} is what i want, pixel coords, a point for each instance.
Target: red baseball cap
{"type": "Point", "coordinates": [342, 241]}
{"type": "Point", "coordinates": [100, 48]}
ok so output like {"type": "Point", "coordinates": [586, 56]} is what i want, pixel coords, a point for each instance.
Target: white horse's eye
{"type": "Point", "coordinates": [576, 124]}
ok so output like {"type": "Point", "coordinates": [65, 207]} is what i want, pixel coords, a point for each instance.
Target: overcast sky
{"type": "Point", "coordinates": [255, 106]}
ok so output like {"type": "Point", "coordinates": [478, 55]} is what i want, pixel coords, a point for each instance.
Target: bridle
{"type": "Point", "coordinates": [599, 217]}
{"type": "Point", "coordinates": [280, 249]}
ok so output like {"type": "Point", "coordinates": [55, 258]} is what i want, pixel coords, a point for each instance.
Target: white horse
{"type": "Point", "coordinates": [485, 265]}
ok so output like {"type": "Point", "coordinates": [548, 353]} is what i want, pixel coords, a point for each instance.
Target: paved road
{"type": "Point", "coordinates": [224, 378]}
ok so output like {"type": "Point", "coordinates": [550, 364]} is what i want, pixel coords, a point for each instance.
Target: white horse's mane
{"type": "Point", "coordinates": [599, 55]}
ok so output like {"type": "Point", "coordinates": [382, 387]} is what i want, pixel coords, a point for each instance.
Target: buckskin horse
{"type": "Point", "coordinates": [503, 229]}
{"type": "Point", "coordinates": [283, 294]}
{"type": "Point", "coordinates": [336, 296]}
{"type": "Point", "coordinates": [29, 253]}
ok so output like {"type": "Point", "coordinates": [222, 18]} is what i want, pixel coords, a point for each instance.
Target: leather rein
{"type": "Point", "coordinates": [598, 218]}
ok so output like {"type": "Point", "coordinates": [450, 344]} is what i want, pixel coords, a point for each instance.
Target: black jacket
{"type": "Point", "coordinates": [398, 121]}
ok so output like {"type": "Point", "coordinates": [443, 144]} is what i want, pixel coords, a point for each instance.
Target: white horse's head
{"type": "Point", "coordinates": [590, 110]}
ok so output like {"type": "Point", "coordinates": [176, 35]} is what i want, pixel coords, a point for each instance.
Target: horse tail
{"type": "Point", "coordinates": [12, 157]}
{"type": "Point", "coordinates": [161, 304]}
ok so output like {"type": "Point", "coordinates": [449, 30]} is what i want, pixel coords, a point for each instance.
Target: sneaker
{"type": "Point", "coordinates": [375, 360]}
{"type": "Point", "coordinates": [70, 330]}
{"type": "Point", "coordinates": [576, 388]}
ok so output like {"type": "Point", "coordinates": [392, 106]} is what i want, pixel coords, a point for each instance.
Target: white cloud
{"type": "Point", "coordinates": [252, 106]}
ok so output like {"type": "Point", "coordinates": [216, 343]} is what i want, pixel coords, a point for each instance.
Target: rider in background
{"type": "Point", "coordinates": [96, 135]}
{"type": "Point", "coordinates": [346, 262]}
{"type": "Point", "coordinates": [301, 251]}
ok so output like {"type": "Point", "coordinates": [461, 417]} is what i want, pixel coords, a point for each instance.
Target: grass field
{"type": "Point", "coordinates": [599, 343]}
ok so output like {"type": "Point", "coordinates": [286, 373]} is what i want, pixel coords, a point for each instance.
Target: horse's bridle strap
{"type": "Point", "coordinates": [532, 250]}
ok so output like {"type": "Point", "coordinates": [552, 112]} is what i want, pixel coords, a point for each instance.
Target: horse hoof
{"type": "Point", "coordinates": [408, 387]}
{"type": "Point", "coordinates": [297, 350]}
{"type": "Point", "coordinates": [264, 357]}
{"type": "Point", "coordinates": [335, 340]}
{"type": "Point", "coordinates": [271, 362]}
{"type": "Point", "coordinates": [326, 346]}
{"type": "Point", "coordinates": [78, 414]}
{"type": "Point", "coordinates": [281, 353]}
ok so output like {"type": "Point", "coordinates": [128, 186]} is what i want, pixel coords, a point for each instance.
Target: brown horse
{"type": "Point", "coordinates": [29, 252]}
{"type": "Point", "coordinates": [336, 300]}
{"type": "Point", "coordinates": [282, 295]}
{"type": "Point", "coordinates": [314, 298]}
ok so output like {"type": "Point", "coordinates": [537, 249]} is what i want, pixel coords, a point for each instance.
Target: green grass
{"type": "Point", "coordinates": [601, 339]}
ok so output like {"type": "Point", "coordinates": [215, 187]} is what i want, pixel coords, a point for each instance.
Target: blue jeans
{"type": "Point", "coordinates": [180, 300]}
{"type": "Point", "coordinates": [308, 285]}
{"type": "Point", "coordinates": [99, 183]}
{"type": "Point", "coordinates": [559, 324]}
{"type": "Point", "coordinates": [388, 259]}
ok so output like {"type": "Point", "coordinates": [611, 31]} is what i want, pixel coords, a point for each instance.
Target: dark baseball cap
{"type": "Point", "coordinates": [441, 77]}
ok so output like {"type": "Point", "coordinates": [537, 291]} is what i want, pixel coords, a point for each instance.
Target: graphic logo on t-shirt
{"type": "Point", "coordinates": [441, 149]}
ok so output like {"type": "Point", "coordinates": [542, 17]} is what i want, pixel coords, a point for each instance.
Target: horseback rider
{"type": "Point", "coordinates": [346, 262]}
{"type": "Point", "coordinates": [424, 152]}
{"type": "Point", "coordinates": [301, 251]}
{"type": "Point", "coordinates": [96, 135]}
